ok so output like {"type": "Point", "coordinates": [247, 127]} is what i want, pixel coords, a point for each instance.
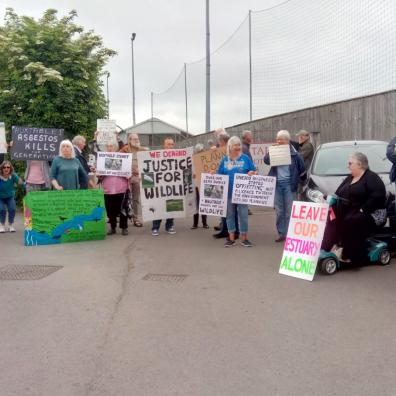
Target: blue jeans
{"type": "Point", "coordinates": [157, 224]}
{"type": "Point", "coordinates": [7, 203]}
{"type": "Point", "coordinates": [232, 211]}
{"type": "Point", "coordinates": [284, 198]}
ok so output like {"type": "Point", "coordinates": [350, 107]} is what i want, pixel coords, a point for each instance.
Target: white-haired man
{"type": "Point", "coordinates": [247, 138]}
{"type": "Point", "coordinates": [79, 143]}
{"type": "Point", "coordinates": [287, 179]}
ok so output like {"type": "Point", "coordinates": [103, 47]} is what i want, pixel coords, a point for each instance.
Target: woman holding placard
{"type": "Point", "coordinates": [232, 163]}
{"type": "Point", "coordinates": [288, 168]}
{"type": "Point", "coordinates": [67, 172]}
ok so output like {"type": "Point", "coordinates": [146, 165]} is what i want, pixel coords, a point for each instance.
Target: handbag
{"type": "Point", "coordinates": [379, 216]}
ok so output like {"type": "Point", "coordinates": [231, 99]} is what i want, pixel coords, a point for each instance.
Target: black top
{"type": "Point", "coordinates": [368, 193]}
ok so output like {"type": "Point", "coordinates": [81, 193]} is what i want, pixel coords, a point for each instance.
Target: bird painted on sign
{"type": "Point", "coordinates": [62, 218]}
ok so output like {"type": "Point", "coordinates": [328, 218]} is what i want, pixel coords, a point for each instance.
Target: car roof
{"type": "Point", "coordinates": [352, 143]}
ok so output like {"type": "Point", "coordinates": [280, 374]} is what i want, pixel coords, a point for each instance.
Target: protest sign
{"type": "Point", "coordinates": [279, 155]}
{"type": "Point", "coordinates": [304, 239]}
{"type": "Point", "coordinates": [166, 184]}
{"type": "Point", "coordinates": [53, 217]}
{"type": "Point", "coordinates": [114, 164]}
{"type": "Point", "coordinates": [40, 144]}
{"type": "Point", "coordinates": [106, 131]}
{"type": "Point", "coordinates": [3, 141]}
{"type": "Point", "coordinates": [213, 195]}
{"type": "Point", "coordinates": [258, 151]}
{"type": "Point", "coordinates": [254, 190]}
{"type": "Point", "coordinates": [207, 161]}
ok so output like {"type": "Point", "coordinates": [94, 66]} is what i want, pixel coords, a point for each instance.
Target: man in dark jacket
{"type": "Point", "coordinates": [247, 138]}
{"type": "Point", "coordinates": [305, 147]}
{"type": "Point", "coordinates": [391, 155]}
{"type": "Point", "coordinates": [287, 179]}
{"type": "Point", "coordinates": [79, 143]}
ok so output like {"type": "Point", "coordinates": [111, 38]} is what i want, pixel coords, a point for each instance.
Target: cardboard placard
{"type": "Point", "coordinates": [304, 239]}
{"type": "Point", "coordinates": [39, 144]}
{"type": "Point", "coordinates": [206, 162]}
{"type": "Point", "coordinates": [166, 184]}
{"type": "Point", "coordinates": [114, 164]}
{"type": "Point", "coordinates": [53, 217]}
{"type": "Point", "coordinates": [254, 190]}
{"type": "Point", "coordinates": [106, 131]}
{"type": "Point", "coordinates": [279, 155]}
{"type": "Point", "coordinates": [213, 195]}
{"type": "Point", "coordinates": [3, 141]}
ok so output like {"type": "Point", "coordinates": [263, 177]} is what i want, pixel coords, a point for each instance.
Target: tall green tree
{"type": "Point", "coordinates": [50, 73]}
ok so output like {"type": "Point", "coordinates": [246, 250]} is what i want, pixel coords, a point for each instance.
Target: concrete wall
{"type": "Point", "coordinates": [369, 117]}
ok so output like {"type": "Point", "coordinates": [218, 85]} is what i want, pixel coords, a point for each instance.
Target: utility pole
{"type": "Point", "coordinates": [108, 100]}
{"type": "Point", "coordinates": [207, 123]}
{"type": "Point", "coordinates": [133, 80]}
{"type": "Point", "coordinates": [185, 94]}
{"type": "Point", "coordinates": [250, 67]}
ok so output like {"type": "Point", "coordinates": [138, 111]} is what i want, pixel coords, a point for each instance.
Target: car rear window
{"type": "Point", "coordinates": [334, 160]}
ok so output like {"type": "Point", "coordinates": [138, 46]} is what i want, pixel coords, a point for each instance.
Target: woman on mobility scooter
{"type": "Point", "coordinates": [360, 208]}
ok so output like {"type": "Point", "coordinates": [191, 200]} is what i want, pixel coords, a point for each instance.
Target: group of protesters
{"type": "Point", "coordinates": [70, 171]}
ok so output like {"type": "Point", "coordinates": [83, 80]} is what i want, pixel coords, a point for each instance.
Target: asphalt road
{"type": "Point", "coordinates": [232, 327]}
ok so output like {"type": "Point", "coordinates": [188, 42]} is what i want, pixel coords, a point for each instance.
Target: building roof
{"type": "Point", "coordinates": [155, 126]}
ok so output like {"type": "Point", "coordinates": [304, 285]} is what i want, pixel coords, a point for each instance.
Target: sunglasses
{"type": "Point", "coordinates": [6, 167]}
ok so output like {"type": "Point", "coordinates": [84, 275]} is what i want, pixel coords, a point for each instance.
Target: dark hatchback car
{"type": "Point", "coordinates": [330, 166]}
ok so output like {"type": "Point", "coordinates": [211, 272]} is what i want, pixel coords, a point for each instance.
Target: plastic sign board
{"type": "Point", "coordinates": [106, 131]}
{"type": "Point", "coordinates": [279, 155]}
{"type": "Point", "coordinates": [213, 195]}
{"type": "Point", "coordinates": [304, 239]}
{"type": "Point", "coordinates": [114, 164]}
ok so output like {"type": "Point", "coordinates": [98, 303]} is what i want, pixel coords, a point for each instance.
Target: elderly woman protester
{"type": "Point", "coordinates": [360, 208]}
{"type": "Point", "coordinates": [67, 172]}
{"type": "Point", "coordinates": [8, 180]}
{"type": "Point", "coordinates": [287, 179]}
{"type": "Point", "coordinates": [115, 189]}
{"type": "Point", "coordinates": [134, 147]}
{"type": "Point", "coordinates": [236, 162]}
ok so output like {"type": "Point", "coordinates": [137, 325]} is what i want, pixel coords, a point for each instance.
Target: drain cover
{"type": "Point", "coordinates": [27, 272]}
{"type": "Point", "coordinates": [165, 277]}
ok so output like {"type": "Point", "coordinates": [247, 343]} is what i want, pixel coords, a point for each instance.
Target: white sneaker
{"type": "Point", "coordinates": [154, 232]}
{"type": "Point", "coordinates": [2, 229]}
{"type": "Point", "coordinates": [11, 228]}
{"type": "Point", "coordinates": [171, 230]}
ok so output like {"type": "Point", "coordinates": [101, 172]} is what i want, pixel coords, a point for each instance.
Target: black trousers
{"type": "Point", "coordinates": [350, 232]}
{"type": "Point", "coordinates": [113, 204]}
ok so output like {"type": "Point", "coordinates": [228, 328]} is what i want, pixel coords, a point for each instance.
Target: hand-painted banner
{"type": "Point", "coordinates": [254, 190]}
{"type": "Point", "coordinates": [53, 217]}
{"type": "Point", "coordinates": [258, 151]}
{"type": "Point", "coordinates": [40, 144]}
{"type": "Point", "coordinates": [304, 239]}
{"type": "Point", "coordinates": [106, 131]}
{"type": "Point", "coordinates": [213, 195]}
{"type": "Point", "coordinates": [3, 141]}
{"type": "Point", "coordinates": [114, 164]}
{"type": "Point", "coordinates": [279, 155]}
{"type": "Point", "coordinates": [166, 184]}
{"type": "Point", "coordinates": [206, 162]}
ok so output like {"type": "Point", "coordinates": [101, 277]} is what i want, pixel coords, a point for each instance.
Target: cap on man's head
{"type": "Point", "coordinates": [302, 132]}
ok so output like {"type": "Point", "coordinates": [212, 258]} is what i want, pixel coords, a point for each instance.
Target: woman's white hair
{"type": "Point", "coordinates": [232, 141]}
{"type": "Point", "coordinates": [66, 142]}
{"type": "Point", "coordinates": [283, 134]}
{"type": "Point", "coordinates": [361, 159]}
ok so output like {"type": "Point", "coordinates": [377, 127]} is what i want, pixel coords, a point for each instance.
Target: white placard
{"type": "Point", "coordinates": [114, 164]}
{"type": "Point", "coordinates": [167, 188]}
{"type": "Point", "coordinates": [3, 141]}
{"type": "Point", "coordinates": [304, 239]}
{"type": "Point", "coordinates": [106, 131]}
{"type": "Point", "coordinates": [254, 190]}
{"type": "Point", "coordinates": [280, 155]}
{"type": "Point", "coordinates": [258, 151]}
{"type": "Point", "coordinates": [213, 195]}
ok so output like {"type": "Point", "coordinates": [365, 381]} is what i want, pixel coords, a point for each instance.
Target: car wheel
{"type": "Point", "coordinates": [384, 257]}
{"type": "Point", "coordinates": [328, 266]}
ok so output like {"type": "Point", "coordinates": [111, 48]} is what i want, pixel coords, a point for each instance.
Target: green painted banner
{"type": "Point", "coordinates": [53, 217]}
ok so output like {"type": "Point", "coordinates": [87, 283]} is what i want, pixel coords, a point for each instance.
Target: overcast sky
{"type": "Point", "coordinates": [169, 33]}
{"type": "Point", "coordinates": [305, 53]}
